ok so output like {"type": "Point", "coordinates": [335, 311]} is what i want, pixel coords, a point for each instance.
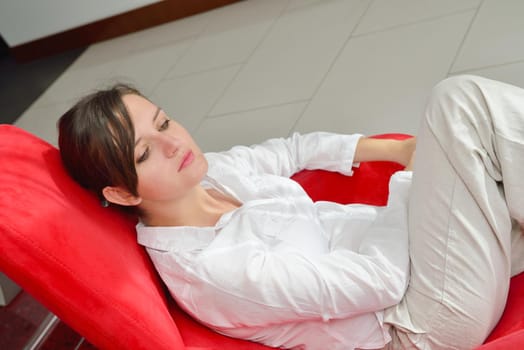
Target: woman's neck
{"type": "Point", "coordinates": [199, 208]}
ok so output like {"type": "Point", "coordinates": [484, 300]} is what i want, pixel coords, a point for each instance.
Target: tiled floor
{"type": "Point", "coordinates": [266, 68]}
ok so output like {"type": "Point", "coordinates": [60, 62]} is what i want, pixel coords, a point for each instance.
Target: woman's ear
{"type": "Point", "coordinates": [121, 196]}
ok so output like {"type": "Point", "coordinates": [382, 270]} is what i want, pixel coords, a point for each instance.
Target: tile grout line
{"type": "Point", "coordinates": [242, 66]}
{"type": "Point", "coordinates": [330, 68]}
{"type": "Point", "coordinates": [194, 39]}
{"type": "Point", "coordinates": [203, 71]}
{"type": "Point", "coordinates": [497, 65]}
{"type": "Point", "coordinates": [420, 21]}
{"type": "Point", "coordinates": [247, 110]}
{"type": "Point", "coordinates": [466, 34]}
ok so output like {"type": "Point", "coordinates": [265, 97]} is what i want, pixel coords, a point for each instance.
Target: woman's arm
{"type": "Point", "coordinates": [318, 150]}
{"type": "Point", "coordinates": [400, 151]}
{"type": "Point", "coordinates": [286, 156]}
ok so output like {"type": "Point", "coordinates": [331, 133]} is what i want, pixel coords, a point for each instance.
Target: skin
{"type": "Point", "coordinates": [400, 151]}
{"type": "Point", "coordinates": [170, 167]}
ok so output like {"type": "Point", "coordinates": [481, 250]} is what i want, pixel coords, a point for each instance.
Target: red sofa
{"type": "Point", "coordinates": [83, 263]}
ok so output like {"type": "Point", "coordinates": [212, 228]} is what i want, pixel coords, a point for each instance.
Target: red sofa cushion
{"type": "Point", "coordinates": [82, 261]}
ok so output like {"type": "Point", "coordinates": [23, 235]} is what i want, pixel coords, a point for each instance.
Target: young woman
{"type": "Point", "coordinates": [244, 250]}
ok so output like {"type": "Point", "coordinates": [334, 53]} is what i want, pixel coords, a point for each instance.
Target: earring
{"type": "Point", "coordinates": [104, 203]}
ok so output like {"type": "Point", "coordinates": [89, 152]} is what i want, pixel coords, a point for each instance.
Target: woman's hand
{"type": "Point", "coordinates": [400, 151]}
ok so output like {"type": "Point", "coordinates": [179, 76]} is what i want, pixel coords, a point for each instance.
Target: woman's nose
{"type": "Point", "coordinates": [170, 145]}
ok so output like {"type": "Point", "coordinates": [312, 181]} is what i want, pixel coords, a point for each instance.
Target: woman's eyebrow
{"type": "Point", "coordinates": [157, 112]}
{"type": "Point", "coordinates": [158, 109]}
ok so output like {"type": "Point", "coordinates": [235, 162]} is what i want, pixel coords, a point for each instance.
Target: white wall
{"type": "Point", "coordinates": [22, 21]}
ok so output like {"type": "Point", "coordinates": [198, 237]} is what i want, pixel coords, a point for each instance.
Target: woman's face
{"type": "Point", "coordinates": [168, 162]}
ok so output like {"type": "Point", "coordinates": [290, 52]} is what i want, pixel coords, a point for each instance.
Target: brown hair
{"type": "Point", "coordinates": [96, 141]}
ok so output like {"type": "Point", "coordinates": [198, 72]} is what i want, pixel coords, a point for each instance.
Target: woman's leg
{"type": "Point", "coordinates": [467, 187]}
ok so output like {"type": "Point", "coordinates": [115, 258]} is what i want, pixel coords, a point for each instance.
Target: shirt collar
{"type": "Point", "coordinates": [177, 238]}
{"type": "Point", "coordinates": [183, 238]}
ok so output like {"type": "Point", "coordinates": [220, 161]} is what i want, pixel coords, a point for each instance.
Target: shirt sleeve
{"type": "Point", "coordinates": [263, 286]}
{"type": "Point", "coordinates": [286, 156]}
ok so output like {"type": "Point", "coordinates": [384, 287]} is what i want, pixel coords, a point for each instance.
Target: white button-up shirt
{"type": "Point", "coordinates": [281, 269]}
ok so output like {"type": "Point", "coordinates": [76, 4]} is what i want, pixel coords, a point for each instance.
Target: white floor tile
{"type": "Point", "coordinates": [162, 35]}
{"type": "Point", "coordinates": [145, 69]}
{"type": "Point", "coordinates": [380, 82]}
{"type": "Point", "coordinates": [294, 57]}
{"type": "Point", "coordinates": [188, 99]}
{"type": "Point", "coordinates": [508, 73]}
{"type": "Point", "coordinates": [495, 37]}
{"type": "Point", "coordinates": [384, 14]}
{"type": "Point", "coordinates": [247, 128]}
{"type": "Point", "coordinates": [41, 121]}
{"type": "Point", "coordinates": [75, 83]}
{"type": "Point", "coordinates": [231, 37]}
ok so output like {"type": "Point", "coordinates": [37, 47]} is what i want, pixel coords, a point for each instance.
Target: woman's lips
{"type": "Point", "coordinates": [188, 159]}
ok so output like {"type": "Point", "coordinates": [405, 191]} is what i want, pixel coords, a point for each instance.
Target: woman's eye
{"type": "Point", "coordinates": [165, 125]}
{"type": "Point", "coordinates": [143, 157]}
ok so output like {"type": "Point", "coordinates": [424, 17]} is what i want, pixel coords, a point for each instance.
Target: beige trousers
{"type": "Point", "coordinates": [466, 203]}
